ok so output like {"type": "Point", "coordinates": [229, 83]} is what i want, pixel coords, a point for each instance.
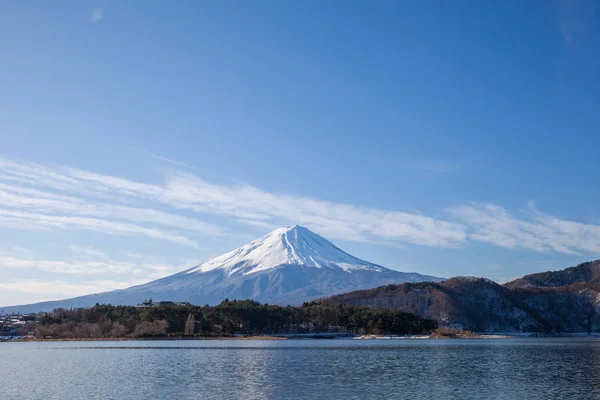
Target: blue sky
{"type": "Point", "coordinates": [141, 138]}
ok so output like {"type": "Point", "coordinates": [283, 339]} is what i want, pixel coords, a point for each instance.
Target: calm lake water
{"type": "Point", "coordinates": [303, 369]}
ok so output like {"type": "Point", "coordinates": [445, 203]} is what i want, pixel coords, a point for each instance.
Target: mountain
{"type": "Point", "coordinates": [287, 266]}
{"type": "Point", "coordinates": [588, 272]}
{"type": "Point", "coordinates": [554, 301]}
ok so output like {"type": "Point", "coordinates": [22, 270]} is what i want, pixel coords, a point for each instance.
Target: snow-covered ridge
{"type": "Point", "coordinates": [292, 245]}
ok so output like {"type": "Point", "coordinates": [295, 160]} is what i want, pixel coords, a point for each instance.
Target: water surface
{"type": "Point", "coordinates": [303, 369]}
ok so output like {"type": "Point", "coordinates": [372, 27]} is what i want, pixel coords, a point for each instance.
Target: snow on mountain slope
{"type": "Point", "coordinates": [294, 245]}
{"type": "Point", "coordinates": [287, 266]}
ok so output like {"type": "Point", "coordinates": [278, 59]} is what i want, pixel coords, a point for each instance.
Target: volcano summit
{"type": "Point", "coordinates": [287, 266]}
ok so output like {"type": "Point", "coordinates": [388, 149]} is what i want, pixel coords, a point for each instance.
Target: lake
{"type": "Point", "coordinates": [566, 368]}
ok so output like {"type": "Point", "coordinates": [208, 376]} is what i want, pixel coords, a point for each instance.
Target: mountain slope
{"type": "Point", "coordinates": [558, 301]}
{"type": "Point", "coordinates": [588, 272]}
{"type": "Point", "coordinates": [470, 303]}
{"type": "Point", "coordinates": [287, 266]}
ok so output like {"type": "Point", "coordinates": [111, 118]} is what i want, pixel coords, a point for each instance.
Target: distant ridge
{"type": "Point", "coordinates": [588, 272]}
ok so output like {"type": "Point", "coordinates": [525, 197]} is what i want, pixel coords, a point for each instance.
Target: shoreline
{"type": "Point", "coordinates": [258, 337]}
{"type": "Point", "coordinates": [146, 339]}
{"type": "Point", "coordinates": [483, 336]}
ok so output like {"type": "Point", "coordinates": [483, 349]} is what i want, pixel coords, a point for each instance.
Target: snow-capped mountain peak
{"type": "Point", "coordinates": [287, 266]}
{"type": "Point", "coordinates": [291, 245]}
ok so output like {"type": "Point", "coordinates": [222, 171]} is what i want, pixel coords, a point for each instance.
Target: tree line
{"type": "Point", "coordinates": [237, 317]}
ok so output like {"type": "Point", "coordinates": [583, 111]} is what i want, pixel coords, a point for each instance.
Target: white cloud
{"type": "Point", "coordinates": [67, 267]}
{"type": "Point", "coordinates": [50, 177]}
{"type": "Point", "coordinates": [534, 231]}
{"type": "Point", "coordinates": [14, 196]}
{"type": "Point", "coordinates": [147, 267]}
{"type": "Point", "coordinates": [12, 249]}
{"type": "Point", "coordinates": [248, 205]}
{"type": "Point", "coordinates": [336, 220]}
{"type": "Point", "coordinates": [96, 15]}
{"type": "Point", "coordinates": [107, 183]}
{"type": "Point", "coordinates": [86, 251]}
{"type": "Point", "coordinates": [34, 196]}
{"type": "Point", "coordinates": [18, 219]}
{"type": "Point", "coordinates": [26, 291]}
{"type": "Point", "coordinates": [135, 256]}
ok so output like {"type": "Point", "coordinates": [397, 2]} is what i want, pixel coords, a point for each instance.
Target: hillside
{"type": "Point", "coordinates": [559, 301]}
{"type": "Point", "coordinates": [588, 272]}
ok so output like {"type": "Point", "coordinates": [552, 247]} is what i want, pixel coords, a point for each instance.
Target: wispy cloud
{"type": "Point", "coordinates": [253, 206]}
{"type": "Point", "coordinates": [67, 267]}
{"type": "Point", "coordinates": [147, 268]}
{"type": "Point", "coordinates": [574, 19]}
{"type": "Point", "coordinates": [165, 159]}
{"type": "Point", "coordinates": [438, 166]}
{"type": "Point", "coordinates": [34, 196]}
{"type": "Point", "coordinates": [67, 198]}
{"type": "Point", "coordinates": [15, 219]}
{"type": "Point", "coordinates": [45, 202]}
{"type": "Point", "coordinates": [96, 15]}
{"type": "Point", "coordinates": [533, 230]}
{"type": "Point", "coordinates": [13, 249]}
{"type": "Point", "coordinates": [86, 251]}
{"type": "Point", "coordinates": [47, 197]}
{"type": "Point", "coordinates": [21, 291]}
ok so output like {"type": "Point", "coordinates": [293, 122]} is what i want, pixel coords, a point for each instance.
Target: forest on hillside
{"type": "Point", "coordinates": [229, 318]}
{"type": "Point", "coordinates": [481, 305]}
